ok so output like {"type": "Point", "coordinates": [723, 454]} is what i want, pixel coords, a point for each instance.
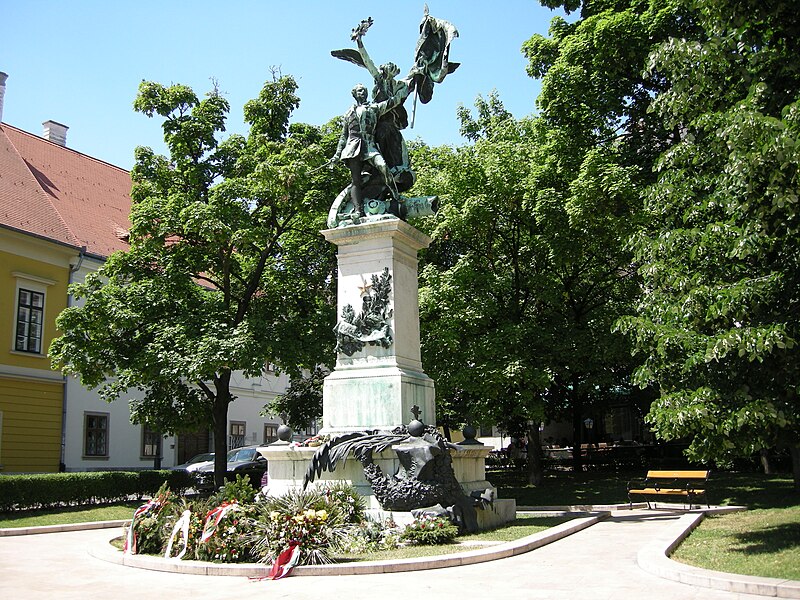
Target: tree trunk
{"type": "Point", "coordinates": [577, 430]}
{"type": "Point", "coordinates": [535, 464]}
{"type": "Point", "coordinates": [447, 434]}
{"type": "Point", "coordinates": [794, 450]}
{"type": "Point", "coordinates": [765, 464]}
{"type": "Point", "coordinates": [220, 415]}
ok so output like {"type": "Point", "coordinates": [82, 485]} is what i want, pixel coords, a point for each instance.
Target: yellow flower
{"type": "Point", "coordinates": [322, 515]}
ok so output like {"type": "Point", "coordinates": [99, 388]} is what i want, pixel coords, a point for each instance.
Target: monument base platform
{"type": "Point", "coordinates": [288, 465]}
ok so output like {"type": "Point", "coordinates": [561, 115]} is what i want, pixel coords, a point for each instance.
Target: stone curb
{"type": "Point", "coordinates": [12, 531]}
{"type": "Point", "coordinates": [109, 554]}
{"type": "Point", "coordinates": [654, 558]}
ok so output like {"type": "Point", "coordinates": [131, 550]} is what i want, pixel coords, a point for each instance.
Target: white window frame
{"type": "Point", "coordinates": [237, 440]}
{"type": "Point", "coordinates": [107, 417]}
{"type": "Point", "coordinates": [38, 285]}
{"type": "Point", "coordinates": [273, 437]}
{"type": "Point", "coordinates": [146, 429]}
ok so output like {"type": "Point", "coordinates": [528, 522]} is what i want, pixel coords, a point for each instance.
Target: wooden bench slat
{"type": "Point", "coordinates": [678, 474]}
{"type": "Point", "coordinates": [651, 485]}
{"type": "Point", "coordinates": [674, 491]}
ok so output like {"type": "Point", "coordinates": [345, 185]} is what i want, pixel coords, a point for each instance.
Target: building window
{"type": "Point", "coordinates": [311, 428]}
{"type": "Point", "coordinates": [485, 431]}
{"type": "Point", "coordinates": [95, 435]}
{"type": "Point", "coordinates": [270, 433]}
{"type": "Point", "coordinates": [151, 442]}
{"type": "Point", "coordinates": [236, 439]}
{"type": "Point", "coordinates": [30, 321]}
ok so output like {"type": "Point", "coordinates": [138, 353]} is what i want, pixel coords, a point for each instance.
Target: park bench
{"type": "Point", "coordinates": [687, 484]}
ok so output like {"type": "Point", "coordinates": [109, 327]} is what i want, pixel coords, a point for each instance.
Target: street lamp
{"type": "Point", "coordinates": [589, 423]}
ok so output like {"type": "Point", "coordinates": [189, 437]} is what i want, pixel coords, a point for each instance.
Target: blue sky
{"type": "Point", "coordinates": [79, 62]}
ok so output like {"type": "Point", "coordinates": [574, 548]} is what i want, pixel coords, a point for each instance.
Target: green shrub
{"type": "Point", "coordinates": [240, 490]}
{"type": "Point", "coordinates": [49, 490]}
{"type": "Point", "coordinates": [429, 531]}
{"type": "Point", "coordinates": [343, 497]}
{"type": "Point", "coordinates": [368, 536]}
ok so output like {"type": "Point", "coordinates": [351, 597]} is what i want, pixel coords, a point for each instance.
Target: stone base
{"type": "Point", "coordinates": [288, 465]}
{"type": "Point", "coordinates": [375, 398]}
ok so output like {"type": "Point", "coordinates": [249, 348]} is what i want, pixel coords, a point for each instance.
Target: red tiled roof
{"type": "Point", "coordinates": [60, 194]}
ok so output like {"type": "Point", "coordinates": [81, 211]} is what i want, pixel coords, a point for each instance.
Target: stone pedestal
{"type": "Point", "coordinates": [376, 387]}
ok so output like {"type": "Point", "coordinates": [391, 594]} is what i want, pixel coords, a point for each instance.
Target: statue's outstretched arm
{"type": "Point", "coordinates": [373, 70]}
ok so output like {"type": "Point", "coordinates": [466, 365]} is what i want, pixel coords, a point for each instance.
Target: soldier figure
{"type": "Point", "coordinates": [357, 143]}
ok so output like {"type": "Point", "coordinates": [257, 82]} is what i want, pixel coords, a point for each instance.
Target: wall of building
{"type": "Point", "coordinates": [31, 393]}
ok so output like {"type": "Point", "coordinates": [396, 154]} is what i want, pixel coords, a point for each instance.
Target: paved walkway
{"type": "Point", "coordinates": [598, 563]}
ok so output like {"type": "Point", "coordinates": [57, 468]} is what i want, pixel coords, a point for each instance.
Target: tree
{"type": "Point", "coordinates": [226, 269]}
{"type": "Point", "coordinates": [717, 322]}
{"type": "Point", "coordinates": [523, 280]}
{"type": "Point", "coordinates": [301, 404]}
{"type": "Point", "coordinates": [600, 144]}
{"type": "Point", "coordinates": [476, 283]}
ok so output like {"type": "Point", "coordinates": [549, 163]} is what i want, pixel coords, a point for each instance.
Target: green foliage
{"type": "Point", "coordinates": [368, 536]}
{"type": "Point", "coordinates": [240, 490]}
{"type": "Point", "coordinates": [344, 499]}
{"type": "Point", "coordinates": [429, 531]}
{"type": "Point", "coordinates": [717, 323]}
{"type": "Point", "coordinates": [312, 518]}
{"type": "Point", "coordinates": [524, 280]}
{"type": "Point", "coordinates": [170, 515]}
{"type": "Point", "coordinates": [226, 269]}
{"type": "Point", "coordinates": [148, 528]}
{"type": "Point", "coordinates": [24, 492]}
{"type": "Point", "coordinates": [302, 402]}
{"type": "Point", "coordinates": [229, 543]}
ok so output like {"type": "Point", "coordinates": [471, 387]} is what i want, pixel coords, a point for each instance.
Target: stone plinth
{"type": "Point", "coordinates": [376, 387]}
{"type": "Point", "coordinates": [288, 464]}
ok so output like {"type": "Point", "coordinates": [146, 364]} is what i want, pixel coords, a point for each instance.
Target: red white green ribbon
{"type": "Point", "coordinates": [130, 540]}
{"type": "Point", "coordinates": [213, 517]}
{"type": "Point", "coordinates": [286, 561]}
{"type": "Point", "coordinates": [181, 526]}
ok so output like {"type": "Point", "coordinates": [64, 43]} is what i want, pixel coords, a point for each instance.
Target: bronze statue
{"type": "Point", "coordinates": [372, 145]}
{"type": "Point", "coordinates": [357, 145]}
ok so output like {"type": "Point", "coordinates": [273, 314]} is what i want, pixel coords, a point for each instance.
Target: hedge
{"type": "Point", "coordinates": [50, 490]}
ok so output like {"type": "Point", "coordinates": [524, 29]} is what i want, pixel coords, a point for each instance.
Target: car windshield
{"type": "Point", "coordinates": [241, 454]}
{"type": "Point", "coordinates": [200, 458]}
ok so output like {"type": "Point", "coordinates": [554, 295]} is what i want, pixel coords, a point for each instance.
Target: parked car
{"type": "Point", "coordinates": [246, 460]}
{"type": "Point", "coordinates": [196, 462]}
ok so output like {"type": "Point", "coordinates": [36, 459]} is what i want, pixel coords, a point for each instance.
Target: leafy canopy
{"type": "Point", "coordinates": [225, 270]}
{"type": "Point", "coordinates": [717, 321]}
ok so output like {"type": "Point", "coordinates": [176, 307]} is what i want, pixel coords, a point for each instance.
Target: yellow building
{"type": "Point", "coordinates": [56, 206]}
{"type": "Point", "coordinates": [62, 214]}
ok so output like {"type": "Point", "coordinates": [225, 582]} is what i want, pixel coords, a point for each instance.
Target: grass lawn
{"type": "Point", "coordinates": [64, 516]}
{"type": "Point", "coordinates": [763, 542]}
